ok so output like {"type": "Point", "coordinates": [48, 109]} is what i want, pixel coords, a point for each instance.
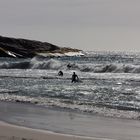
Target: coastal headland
{"type": "Point", "coordinates": [24, 48]}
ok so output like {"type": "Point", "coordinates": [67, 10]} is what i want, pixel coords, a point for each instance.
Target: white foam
{"type": "Point", "coordinates": [62, 54]}
{"type": "Point", "coordinates": [74, 54]}
{"type": "Point", "coordinates": [11, 54]}
{"type": "Point", "coordinates": [50, 54]}
{"type": "Point", "coordinates": [49, 64]}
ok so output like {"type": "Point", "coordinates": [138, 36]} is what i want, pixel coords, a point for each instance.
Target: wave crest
{"type": "Point", "coordinates": [46, 64]}
{"type": "Point", "coordinates": [39, 63]}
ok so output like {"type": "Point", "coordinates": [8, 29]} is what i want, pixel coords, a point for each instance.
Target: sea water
{"type": "Point", "coordinates": [109, 83]}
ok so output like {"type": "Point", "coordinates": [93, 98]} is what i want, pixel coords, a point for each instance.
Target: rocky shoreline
{"type": "Point", "coordinates": [24, 48]}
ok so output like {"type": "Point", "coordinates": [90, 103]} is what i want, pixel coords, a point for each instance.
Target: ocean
{"type": "Point", "coordinates": [109, 83]}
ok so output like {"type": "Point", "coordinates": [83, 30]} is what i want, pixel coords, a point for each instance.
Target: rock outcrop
{"type": "Point", "coordinates": [24, 48]}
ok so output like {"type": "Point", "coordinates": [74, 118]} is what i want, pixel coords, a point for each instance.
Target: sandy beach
{"type": "Point", "coordinates": [27, 122]}
{"type": "Point", "coordinates": [13, 132]}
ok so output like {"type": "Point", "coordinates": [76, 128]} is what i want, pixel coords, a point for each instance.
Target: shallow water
{"type": "Point", "coordinates": [109, 83]}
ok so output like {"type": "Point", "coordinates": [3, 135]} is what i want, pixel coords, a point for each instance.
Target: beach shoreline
{"type": "Point", "coordinates": [27, 122]}
{"type": "Point", "coordinates": [14, 132]}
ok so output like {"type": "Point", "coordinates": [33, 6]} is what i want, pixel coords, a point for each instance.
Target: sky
{"type": "Point", "coordinates": [90, 25]}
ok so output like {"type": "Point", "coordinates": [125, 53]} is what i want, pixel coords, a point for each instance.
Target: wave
{"type": "Point", "coordinates": [46, 64]}
{"type": "Point", "coordinates": [72, 105]}
{"type": "Point", "coordinates": [53, 64]}
{"type": "Point", "coordinates": [15, 65]}
{"type": "Point", "coordinates": [107, 68]}
{"type": "Point", "coordinates": [34, 63]}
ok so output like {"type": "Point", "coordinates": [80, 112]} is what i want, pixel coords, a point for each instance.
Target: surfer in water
{"type": "Point", "coordinates": [69, 66]}
{"type": "Point", "coordinates": [60, 73]}
{"type": "Point", "coordinates": [74, 78]}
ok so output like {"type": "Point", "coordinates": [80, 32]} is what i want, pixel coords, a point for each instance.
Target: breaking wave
{"type": "Point", "coordinates": [34, 63]}
{"type": "Point", "coordinates": [53, 64]}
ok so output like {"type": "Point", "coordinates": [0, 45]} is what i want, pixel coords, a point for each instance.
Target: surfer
{"type": "Point", "coordinates": [74, 78]}
{"type": "Point", "coordinates": [60, 73]}
{"type": "Point", "coordinates": [69, 66]}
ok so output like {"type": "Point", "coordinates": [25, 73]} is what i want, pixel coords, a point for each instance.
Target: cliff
{"type": "Point", "coordinates": [24, 48]}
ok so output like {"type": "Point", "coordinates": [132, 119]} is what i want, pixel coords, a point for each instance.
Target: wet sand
{"type": "Point", "coordinates": [13, 132]}
{"type": "Point", "coordinates": [38, 123]}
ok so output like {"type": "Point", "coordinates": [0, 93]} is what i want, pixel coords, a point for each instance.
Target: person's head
{"type": "Point", "coordinates": [73, 72]}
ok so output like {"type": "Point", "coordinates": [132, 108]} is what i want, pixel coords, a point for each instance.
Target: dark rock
{"type": "Point", "coordinates": [24, 48]}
